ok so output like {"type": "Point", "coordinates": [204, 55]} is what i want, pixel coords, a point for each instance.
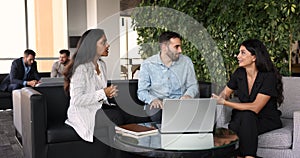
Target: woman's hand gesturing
{"type": "Point", "coordinates": [111, 91]}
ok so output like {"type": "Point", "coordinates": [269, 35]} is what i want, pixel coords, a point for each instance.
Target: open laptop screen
{"type": "Point", "coordinates": [188, 115]}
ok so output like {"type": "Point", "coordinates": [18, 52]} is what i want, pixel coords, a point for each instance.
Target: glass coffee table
{"type": "Point", "coordinates": [221, 143]}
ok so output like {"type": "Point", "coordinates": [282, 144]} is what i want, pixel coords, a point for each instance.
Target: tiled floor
{"type": "Point", "coordinates": [9, 146]}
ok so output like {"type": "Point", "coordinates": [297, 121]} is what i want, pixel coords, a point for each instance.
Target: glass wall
{"type": "Point", "coordinates": [50, 29]}
{"type": "Point", "coordinates": [13, 32]}
{"type": "Point", "coordinates": [32, 24]}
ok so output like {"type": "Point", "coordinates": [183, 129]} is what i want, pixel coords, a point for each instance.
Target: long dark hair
{"type": "Point", "coordinates": [264, 63]}
{"type": "Point", "coordinates": [85, 52]}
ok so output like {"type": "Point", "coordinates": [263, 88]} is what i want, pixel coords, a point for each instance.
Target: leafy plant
{"type": "Point", "coordinates": [212, 31]}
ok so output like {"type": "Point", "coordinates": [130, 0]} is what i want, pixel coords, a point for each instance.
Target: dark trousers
{"type": "Point", "coordinates": [248, 125]}
{"type": "Point", "coordinates": [111, 111]}
{"type": "Point", "coordinates": [105, 121]}
{"type": "Point", "coordinates": [155, 114]}
{"type": "Point", "coordinates": [110, 116]}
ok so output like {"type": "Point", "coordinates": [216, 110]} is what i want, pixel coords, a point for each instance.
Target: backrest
{"type": "Point", "coordinates": [127, 98]}
{"type": "Point", "coordinates": [206, 88]}
{"type": "Point", "coordinates": [126, 88]}
{"type": "Point", "coordinates": [57, 103]}
{"type": "Point", "coordinates": [44, 74]}
{"type": "Point", "coordinates": [291, 93]}
{"type": "Point", "coordinates": [2, 76]}
{"type": "Point", "coordinates": [131, 86]}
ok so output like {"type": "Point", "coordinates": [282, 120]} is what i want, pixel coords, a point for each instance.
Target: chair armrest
{"type": "Point", "coordinates": [16, 97]}
{"type": "Point", "coordinates": [33, 113]}
{"type": "Point", "coordinates": [296, 132]}
{"type": "Point", "coordinates": [223, 114]}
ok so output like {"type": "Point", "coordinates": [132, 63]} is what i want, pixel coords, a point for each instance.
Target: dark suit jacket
{"type": "Point", "coordinates": [17, 72]}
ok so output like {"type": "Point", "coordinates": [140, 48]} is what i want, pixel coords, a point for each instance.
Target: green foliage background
{"type": "Point", "coordinates": [228, 22]}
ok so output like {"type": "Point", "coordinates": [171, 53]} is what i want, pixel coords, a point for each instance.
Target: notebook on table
{"type": "Point", "coordinates": [136, 130]}
{"type": "Point", "coordinates": [188, 115]}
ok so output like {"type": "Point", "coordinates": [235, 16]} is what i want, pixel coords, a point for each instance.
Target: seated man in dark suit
{"type": "Point", "coordinates": [23, 73]}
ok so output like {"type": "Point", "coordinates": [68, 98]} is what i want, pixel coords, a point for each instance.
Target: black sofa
{"type": "Point", "coordinates": [45, 135]}
{"type": "Point", "coordinates": [6, 97]}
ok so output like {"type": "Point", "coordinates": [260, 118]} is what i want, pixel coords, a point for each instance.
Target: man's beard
{"type": "Point", "coordinates": [172, 55]}
{"type": "Point", "coordinates": [26, 64]}
{"type": "Point", "coordinates": [64, 63]}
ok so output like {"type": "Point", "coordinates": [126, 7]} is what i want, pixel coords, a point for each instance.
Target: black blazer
{"type": "Point", "coordinates": [17, 72]}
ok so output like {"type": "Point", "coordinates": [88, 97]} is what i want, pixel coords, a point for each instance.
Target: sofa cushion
{"type": "Point", "coordinates": [291, 93]}
{"type": "Point", "coordinates": [5, 95]}
{"type": "Point", "coordinates": [57, 133]}
{"type": "Point", "coordinates": [278, 139]}
{"type": "Point", "coordinates": [57, 103]}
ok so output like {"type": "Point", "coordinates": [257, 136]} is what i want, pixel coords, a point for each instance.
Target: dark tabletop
{"type": "Point", "coordinates": [221, 142]}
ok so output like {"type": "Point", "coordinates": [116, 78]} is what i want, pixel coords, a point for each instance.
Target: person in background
{"type": "Point", "coordinates": [23, 73]}
{"type": "Point", "coordinates": [58, 66]}
{"type": "Point", "coordinates": [258, 85]}
{"type": "Point", "coordinates": [168, 74]}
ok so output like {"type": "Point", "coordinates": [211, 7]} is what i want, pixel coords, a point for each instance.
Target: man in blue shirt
{"type": "Point", "coordinates": [168, 74]}
{"type": "Point", "coordinates": [23, 73]}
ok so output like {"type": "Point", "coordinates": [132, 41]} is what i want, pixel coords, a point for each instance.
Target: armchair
{"type": "Point", "coordinates": [283, 142]}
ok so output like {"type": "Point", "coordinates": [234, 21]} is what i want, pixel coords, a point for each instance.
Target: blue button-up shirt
{"type": "Point", "coordinates": [156, 80]}
{"type": "Point", "coordinates": [26, 69]}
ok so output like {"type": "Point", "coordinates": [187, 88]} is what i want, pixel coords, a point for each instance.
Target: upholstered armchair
{"type": "Point", "coordinates": [283, 142]}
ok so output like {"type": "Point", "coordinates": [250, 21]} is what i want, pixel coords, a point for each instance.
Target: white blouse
{"type": "Point", "coordinates": [86, 91]}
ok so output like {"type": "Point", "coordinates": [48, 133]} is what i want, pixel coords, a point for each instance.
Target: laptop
{"type": "Point", "coordinates": [188, 141]}
{"type": "Point", "coordinates": [50, 81]}
{"type": "Point", "coordinates": [188, 115]}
